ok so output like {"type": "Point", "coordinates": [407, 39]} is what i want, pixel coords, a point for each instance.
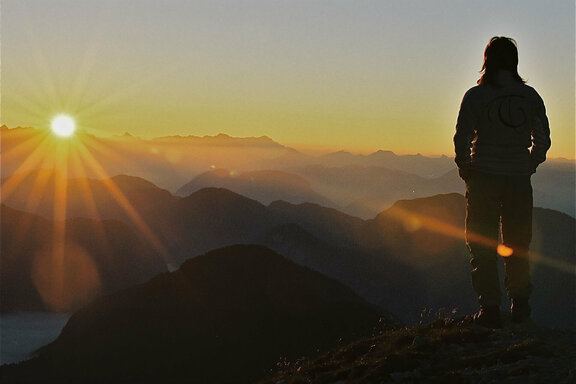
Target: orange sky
{"type": "Point", "coordinates": [354, 75]}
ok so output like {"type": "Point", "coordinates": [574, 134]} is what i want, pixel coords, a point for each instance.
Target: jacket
{"type": "Point", "coordinates": [501, 129]}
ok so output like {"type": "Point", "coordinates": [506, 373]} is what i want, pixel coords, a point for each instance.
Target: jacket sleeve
{"type": "Point", "coordinates": [540, 135]}
{"type": "Point", "coordinates": [465, 133]}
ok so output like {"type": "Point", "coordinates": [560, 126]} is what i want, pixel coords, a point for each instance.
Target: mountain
{"type": "Point", "coordinates": [314, 236]}
{"type": "Point", "coordinates": [380, 281]}
{"type": "Point", "coordinates": [212, 218]}
{"type": "Point", "coordinates": [410, 257]}
{"type": "Point", "coordinates": [124, 198]}
{"type": "Point", "coordinates": [60, 266]}
{"type": "Point", "coordinates": [553, 266]}
{"type": "Point", "coordinates": [366, 190]}
{"type": "Point", "coordinates": [554, 186]}
{"type": "Point", "coordinates": [428, 235]}
{"type": "Point", "coordinates": [360, 185]}
{"type": "Point", "coordinates": [326, 223]}
{"type": "Point", "coordinates": [221, 139]}
{"type": "Point", "coordinates": [428, 167]}
{"type": "Point", "coordinates": [224, 317]}
{"type": "Point", "coordinates": [265, 186]}
{"type": "Point", "coordinates": [168, 162]}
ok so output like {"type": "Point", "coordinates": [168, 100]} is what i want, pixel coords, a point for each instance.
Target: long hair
{"type": "Point", "coordinates": [500, 53]}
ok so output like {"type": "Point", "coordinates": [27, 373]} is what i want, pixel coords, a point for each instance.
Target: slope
{"type": "Point", "coordinates": [40, 272]}
{"type": "Point", "coordinates": [223, 317]}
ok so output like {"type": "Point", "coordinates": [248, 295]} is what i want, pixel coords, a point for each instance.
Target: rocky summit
{"type": "Point", "coordinates": [443, 351]}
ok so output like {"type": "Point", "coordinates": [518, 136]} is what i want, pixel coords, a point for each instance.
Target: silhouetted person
{"type": "Point", "coordinates": [502, 135]}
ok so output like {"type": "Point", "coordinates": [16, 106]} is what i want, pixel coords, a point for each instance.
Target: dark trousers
{"type": "Point", "coordinates": [498, 205]}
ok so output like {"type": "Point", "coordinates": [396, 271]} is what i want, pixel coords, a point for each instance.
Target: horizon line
{"type": "Point", "coordinates": [311, 149]}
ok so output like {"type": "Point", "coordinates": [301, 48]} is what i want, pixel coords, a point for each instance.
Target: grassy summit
{"type": "Point", "coordinates": [444, 351]}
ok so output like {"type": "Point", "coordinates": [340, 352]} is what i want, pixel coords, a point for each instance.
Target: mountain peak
{"type": "Point", "coordinates": [220, 194]}
{"type": "Point", "coordinates": [242, 307]}
{"type": "Point", "coordinates": [381, 152]}
{"type": "Point", "coordinates": [449, 201]}
{"type": "Point", "coordinates": [127, 182]}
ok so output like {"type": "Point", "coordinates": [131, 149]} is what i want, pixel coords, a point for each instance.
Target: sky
{"type": "Point", "coordinates": [357, 75]}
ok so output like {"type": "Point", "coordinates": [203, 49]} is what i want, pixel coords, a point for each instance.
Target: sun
{"type": "Point", "coordinates": [63, 126]}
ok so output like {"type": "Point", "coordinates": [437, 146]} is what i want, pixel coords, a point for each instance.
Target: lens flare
{"type": "Point", "coordinates": [504, 251]}
{"type": "Point", "coordinates": [65, 276]}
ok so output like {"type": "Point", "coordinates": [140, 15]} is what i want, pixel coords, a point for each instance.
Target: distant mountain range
{"type": "Point", "coordinates": [168, 161]}
{"type": "Point", "coordinates": [366, 190]}
{"type": "Point", "coordinates": [260, 168]}
{"type": "Point", "coordinates": [428, 167]}
{"type": "Point", "coordinates": [239, 305]}
{"type": "Point", "coordinates": [410, 257]}
{"type": "Point", "coordinates": [388, 226]}
{"type": "Point", "coordinates": [224, 317]}
{"type": "Point", "coordinates": [265, 186]}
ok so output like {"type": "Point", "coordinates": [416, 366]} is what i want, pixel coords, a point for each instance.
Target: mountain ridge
{"type": "Point", "coordinates": [97, 257]}
{"type": "Point", "coordinates": [243, 307]}
{"type": "Point", "coordinates": [425, 241]}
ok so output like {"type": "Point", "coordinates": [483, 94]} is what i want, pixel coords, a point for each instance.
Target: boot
{"type": "Point", "coordinates": [488, 317]}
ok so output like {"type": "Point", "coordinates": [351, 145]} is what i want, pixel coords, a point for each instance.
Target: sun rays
{"type": "Point", "coordinates": [55, 171]}
{"type": "Point", "coordinates": [63, 272]}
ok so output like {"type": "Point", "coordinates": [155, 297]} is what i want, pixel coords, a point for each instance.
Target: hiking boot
{"type": "Point", "coordinates": [520, 310]}
{"type": "Point", "coordinates": [488, 317]}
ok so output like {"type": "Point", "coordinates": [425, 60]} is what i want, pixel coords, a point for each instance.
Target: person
{"type": "Point", "coordinates": [502, 135]}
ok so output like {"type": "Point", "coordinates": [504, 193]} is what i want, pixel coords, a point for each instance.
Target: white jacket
{"type": "Point", "coordinates": [502, 129]}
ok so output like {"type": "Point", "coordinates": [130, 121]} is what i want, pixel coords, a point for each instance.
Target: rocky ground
{"type": "Point", "coordinates": [443, 351]}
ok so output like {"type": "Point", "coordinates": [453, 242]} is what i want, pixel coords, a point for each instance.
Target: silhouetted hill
{"type": "Point", "coordinates": [410, 257]}
{"type": "Point", "coordinates": [42, 270]}
{"type": "Point", "coordinates": [553, 269]}
{"type": "Point", "coordinates": [265, 186]}
{"type": "Point", "coordinates": [223, 317]}
{"type": "Point", "coordinates": [309, 234]}
{"type": "Point", "coordinates": [424, 236]}
{"type": "Point", "coordinates": [118, 197]}
{"type": "Point", "coordinates": [381, 281]}
{"type": "Point", "coordinates": [212, 218]}
{"type": "Point", "coordinates": [428, 235]}
{"type": "Point", "coordinates": [327, 223]}
{"type": "Point", "coordinates": [555, 186]}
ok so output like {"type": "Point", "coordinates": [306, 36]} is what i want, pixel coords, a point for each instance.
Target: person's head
{"type": "Point", "coordinates": [501, 53]}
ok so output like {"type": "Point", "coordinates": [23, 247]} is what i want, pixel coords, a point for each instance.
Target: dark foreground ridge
{"type": "Point", "coordinates": [224, 317]}
{"type": "Point", "coordinates": [444, 351]}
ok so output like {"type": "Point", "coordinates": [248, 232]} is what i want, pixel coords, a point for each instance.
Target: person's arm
{"type": "Point", "coordinates": [540, 136]}
{"type": "Point", "coordinates": [465, 133]}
